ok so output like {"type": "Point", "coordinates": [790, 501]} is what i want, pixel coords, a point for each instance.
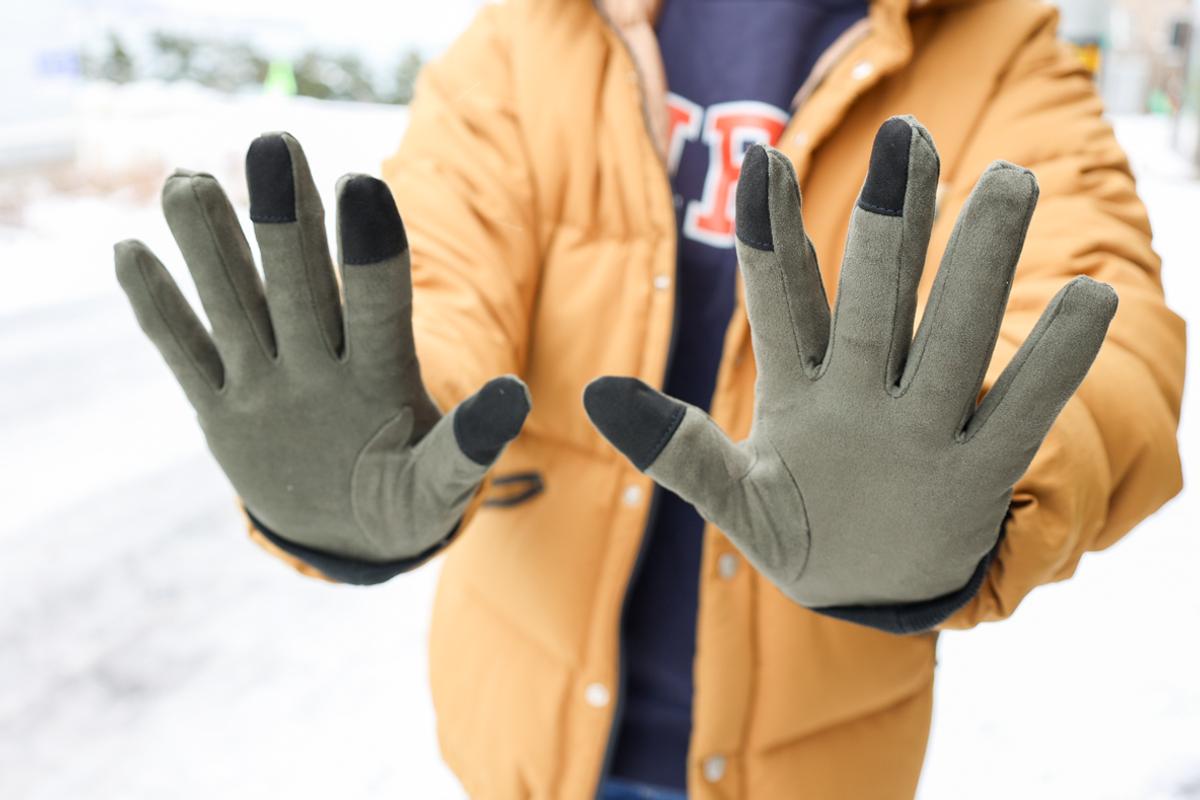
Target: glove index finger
{"type": "Point", "coordinates": [376, 275]}
{"type": "Point", "coordinates": [785, 298]}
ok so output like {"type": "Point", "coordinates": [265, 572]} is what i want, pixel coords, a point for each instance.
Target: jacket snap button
{"type": "Point", "coordinates": [727, 566]}
{"type": "Point", "coordinates": [862, 70]}
{"type": "Point", "coordinates": [632, 495]}
{"type": "Point", "coordinates": [662, 282]}
{"type": "Point", "coordinates": [714, 768]}
{"type": "Point", "coordinates": [596, 695]}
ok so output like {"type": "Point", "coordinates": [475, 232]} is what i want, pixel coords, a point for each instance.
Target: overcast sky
{"type": "Point", "coordinates": [372, 28]}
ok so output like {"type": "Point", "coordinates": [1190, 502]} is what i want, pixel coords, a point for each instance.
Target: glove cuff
{"type": "Point", "coordinates": [348, 570]}
{"type": "Point", "coordinates": [921, 616]}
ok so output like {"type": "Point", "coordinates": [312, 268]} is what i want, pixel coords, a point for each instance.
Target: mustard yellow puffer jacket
{"type": "Point", "coordinates": [532, 182]}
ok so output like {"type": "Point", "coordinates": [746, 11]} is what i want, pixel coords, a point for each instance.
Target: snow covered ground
{"type": "Point", "coordinates": [148, 651]}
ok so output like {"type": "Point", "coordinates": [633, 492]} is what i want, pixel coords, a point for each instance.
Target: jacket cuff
{"type": "Point", "coordinates": [921, 616]}
{"type": "Point", "coordinates": [347, 570]}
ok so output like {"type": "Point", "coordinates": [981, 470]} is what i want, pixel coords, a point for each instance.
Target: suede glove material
{"type": "Point", "coordinates": [312, 406]}
{"type": "Point", "coordinates": [872, 478]}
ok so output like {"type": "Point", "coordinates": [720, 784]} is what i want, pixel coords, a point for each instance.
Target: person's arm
{"type": "Point", "coordinates": [462, 179]}
{"type": "Point", "coordinates": [1111, 458]}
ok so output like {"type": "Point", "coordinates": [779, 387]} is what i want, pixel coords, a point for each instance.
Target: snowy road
{"type": "Point", "coordinates": [147, 650]}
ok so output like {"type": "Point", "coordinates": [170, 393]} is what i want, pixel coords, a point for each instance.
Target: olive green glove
{"type": "Point", "coordinates": [872, 486]}
{"type": "Point", "coordinates": [316, 410]}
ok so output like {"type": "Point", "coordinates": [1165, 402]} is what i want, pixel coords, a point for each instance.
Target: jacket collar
{"type": "Point", "coordinates": [624, 13]}
{"type": "Point", "coordinates": [885, 32]}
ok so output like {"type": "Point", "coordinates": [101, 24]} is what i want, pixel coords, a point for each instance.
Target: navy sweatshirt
{"type": "Point", "coordinates": [733, 67]}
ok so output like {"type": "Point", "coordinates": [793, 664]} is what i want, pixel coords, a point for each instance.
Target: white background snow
{"type": "Point", "coordinates": [149, 650]}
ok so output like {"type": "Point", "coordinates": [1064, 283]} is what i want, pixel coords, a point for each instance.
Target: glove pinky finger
{"type": "Point", "coordinates": [1020, 408]}
{"type": "Point", "coordinates": [169, 321]}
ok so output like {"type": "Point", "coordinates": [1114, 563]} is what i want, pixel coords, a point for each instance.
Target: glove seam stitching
{"type": "Point", "coordinates": [997, 320]}
{"type": "Point", "coordinates": [932, 314]}
{"type": "Point", "coordinates": [891, 212]}
{"type": "Point", "coordinates": [363, 529]}
{"type": "Point", "coordinates": [803, 509]}
{"type": "Point", "coordinates": [899, 259]}
{"type": "Point", "coordinates": [763, 246]}
{"type": "Point", "coordinates": [312, 300]}
{"type": "Point", "coordinates": [968, 434]}
{"type": "Point", "coordinates": [776, 261]}
{"type": "Point", "coordinates": [660, 444]}
{"type": "Point", "coordinates": [787, 302]}
{"type": "Point", "coordinates": [218, 390]}
{"type": "Point", "coordinates": [272, 357]}
{"type": "Point", "coordinates": [814, 369]}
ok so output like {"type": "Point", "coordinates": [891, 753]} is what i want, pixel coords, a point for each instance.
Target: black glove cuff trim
{"type": "Point", "coordinates": [921, 616]}
{"type": "Point", "coordinates": [348, 570]}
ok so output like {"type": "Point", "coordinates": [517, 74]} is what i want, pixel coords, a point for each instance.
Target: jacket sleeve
{"type": "Point", "coordinates": [463, 185]}
{"type": "Point", "coordinates": [463, 188]}
{"type": "Point", "coordinates": [1111, 458]}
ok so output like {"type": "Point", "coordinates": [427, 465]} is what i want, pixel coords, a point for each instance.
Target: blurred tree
{"type": "Point", "coordinates": [353, 80]}
{"type": "Point", "coordinates": [174, 55]}
{"type": "Point", "coordinates": [114, 64]}
{"type": "Point", "coordinates": [237, 66]}
{"type": "Point", "coordinates": [342, 77]}
{"type": "Point", "coordinates": [229, 67]}
{"type": "Point", "coordinates": [405, 78]}
{"type": "Point", "coordinates": [312, 77]}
